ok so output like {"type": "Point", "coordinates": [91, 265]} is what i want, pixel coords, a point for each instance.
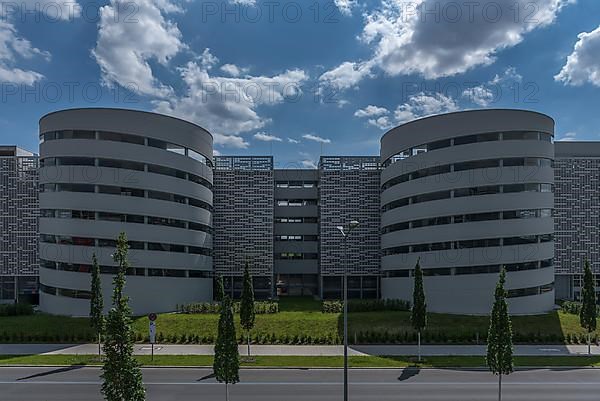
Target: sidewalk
{"type": "Point", "coordinates": [302, 350]}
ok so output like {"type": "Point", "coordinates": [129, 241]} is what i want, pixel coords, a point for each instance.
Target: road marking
{"type": "Point", "coordinates": [70, 383]}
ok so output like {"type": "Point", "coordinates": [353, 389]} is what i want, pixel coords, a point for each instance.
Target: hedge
{"type": "Point", "coordinates": [16, 309]}
{"type": "Point", "coordinates": [366, 305]}
{"type": "Point", "coordinates": [574, 308]}
{"type": "Point", "coordinates": [260, 307]}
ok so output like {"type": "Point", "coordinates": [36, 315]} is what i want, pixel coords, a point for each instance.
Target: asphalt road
{"type": "Point", "coordinates": [174, 384]}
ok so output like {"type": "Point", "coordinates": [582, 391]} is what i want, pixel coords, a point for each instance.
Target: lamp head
{"type": "Point", "coordinates": [341, 229]}
{"type": "Point", "coordinates": [354, 224]}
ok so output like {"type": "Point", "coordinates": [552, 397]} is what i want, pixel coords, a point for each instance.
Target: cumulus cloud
{"type": "Point", "coordinates": [230, 141]}
{"type": "Point", "coordinates": [264, 137]}
{"type": "Point", "coordinates": [233, 70]}
{"type": "Point", "coordinates": [345, 6]}
{"type": "Point", "coordinates": [125, 47]}
{"type": "Point", "coordinates": [371, 111]}
{"type": "Point", "coordinates": [583, 64]}
{"type": "Point", "coordinates": [226, 106]}
{"type": "Point", "coordinates": [419, 105]}
{"type": "Point", "coordinates": [316, 138]}
{"type": "Point", "coordinates": [423, 105]}
{"type": "Point", "coordinates": [308, 164]}
{"type": "Point", "coordinates": [489, 92]}
{"type": "Point", "coordinates": [346, 75]}
{"type": "Point", "coordinates": [568, 136]}
{"type": "Point", "coordinates": [292, 140]}
{"type": "Point", "coordinates": [12, 49]}
{"type": "Point", "coordinates": [440, 38]}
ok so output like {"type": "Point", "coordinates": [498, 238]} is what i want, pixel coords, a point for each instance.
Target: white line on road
{"type": "Point", "coordinates": [574, 384]}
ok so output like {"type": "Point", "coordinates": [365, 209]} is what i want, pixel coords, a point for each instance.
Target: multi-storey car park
{"type": "Point", "coordinates": [468, 193]}
{"type": "Point", "coordinates": [104, 171]}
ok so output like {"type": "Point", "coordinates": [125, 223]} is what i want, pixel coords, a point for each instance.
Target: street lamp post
{"type": "Point", "coordinates": [351, 226]}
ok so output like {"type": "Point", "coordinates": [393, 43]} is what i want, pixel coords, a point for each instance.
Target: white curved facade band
{"type": "Point", "coordinates": [104, 171]}
{"type": "Point", "coordinates": [468, 193]}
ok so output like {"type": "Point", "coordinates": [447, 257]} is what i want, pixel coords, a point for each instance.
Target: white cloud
{"type": "Point", "coordinates": [433, 39]}
{"type": "Point", "coordinates": [490, 92]}
{"type": "Point", "coordinates": [346, 75]}
{"type": "Point", "coordinates": [316, 138]}
{"type": "Point", "coordinates": [308, 164]}
{"type": "Point", "coordinates": [12, 48]}
{"type": "Point", "coordinates": [568, 136]}
{"type": "Point", "coordinates": [583, 64]}
{"type": "Point", "coordinates": [226, 106]}
{"type": "Point", "coordinates": [479, 95]}
{"type": "Point", "coordinates": [207, 60]}
{"type": "Point", "coordinates": [382, 122]}
{"type": "Point", "coordinates": [345, 6]}
{"type": "Point", "coordinates": [244, 2]}
{"type": "Point", "coordinates": [216, 152]}
{"type": "Point", "coordinates": [423, 105]}
{"type": "Point", "coordinates": [233, 70]}
{"type": "Point", "coordinates": [371, 111]}
{"type": "Point", "coordinates": [264, 137]}
{"type": "Point", "coordinates": [419, 105]}
{"type": "Point", "coordinates": [292, 140]}
{"type": "Point", "coordinates": [124, 47]}
{"type": "Point", "coordinates": [230, 141]}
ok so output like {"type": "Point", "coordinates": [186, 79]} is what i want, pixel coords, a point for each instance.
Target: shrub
{"type": "Point", "coordinates": [366, 305]}
{"type": "Point", "coordinates": [18, 309]}
{"type": "Point", "coordinates": [260, 308]}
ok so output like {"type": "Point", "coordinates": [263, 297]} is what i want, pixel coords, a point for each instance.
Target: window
{"type": "Point", "coordinates": [74, 188]}
{"type": "Point", "coordinates": [76, 134]}
{"type": "Point", "coordinates": [123, 164]}
{"type": "Point", "coordinates": [431, 197]}
{"type": "Point", "coordinates": [118, 137]}
{"type": "Point", "coordinates": [519, 135]}
{"type": "Point", "coordinates": [471, 165]}
{"type": "Point", "coordinates": [152, 168]}
{"type": "Point", "coordinates": [123, 191]}
{"type": "Point", "coordinates": [75, 161]}
{"type": "Point", "coordinates": [445, 143]}
{"type": "Point", "coordinates": [197, 156]}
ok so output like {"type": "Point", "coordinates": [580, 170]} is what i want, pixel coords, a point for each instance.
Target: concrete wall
{"type": "Point", "coordinates": [467, 293]}
{"type": "Point", "coordinates": [147, 293]}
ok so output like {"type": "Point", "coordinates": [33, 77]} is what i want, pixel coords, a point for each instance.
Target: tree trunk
{"type": "Point", "coordinates": [500, 387]}
{"type": "Point", "coordinates": [248, 342]}
{"type": "Point", "coordinates": [226, 391]}
{"type": "Point", "coordinates": [419, 345]}
{"type": "Point", "coordinates": [589, 343]}
{"type": "Point", "coordinates": [99, 346]}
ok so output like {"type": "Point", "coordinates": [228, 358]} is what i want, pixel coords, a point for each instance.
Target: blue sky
{"type": "Point", "coordinates": [300, 78]}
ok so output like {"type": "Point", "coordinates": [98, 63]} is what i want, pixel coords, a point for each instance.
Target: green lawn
{"type": "Point", "coordinates": [308, 361]}
{"type": "Point", "coordinates": [300, 321]}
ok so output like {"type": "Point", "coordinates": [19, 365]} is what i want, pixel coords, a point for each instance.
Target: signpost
{"type": "Point", "coordinates": [152, 318]}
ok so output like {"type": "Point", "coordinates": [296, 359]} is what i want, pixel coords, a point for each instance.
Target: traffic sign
{"type": "Point", "coordinates": [152, 317]}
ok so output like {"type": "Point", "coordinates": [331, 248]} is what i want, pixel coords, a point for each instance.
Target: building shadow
{"type": "Point", "coordinates": [52, 372]}
{"type": "Point", "coordinates": [408, 373]}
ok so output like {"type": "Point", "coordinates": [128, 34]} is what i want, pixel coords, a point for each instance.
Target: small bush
{"type": "Point", "coordinates": [18, 309]}
{"type": "Point", "coordinates": [366, 305]}
{"type": "Point", "coordinates": [260, 308]}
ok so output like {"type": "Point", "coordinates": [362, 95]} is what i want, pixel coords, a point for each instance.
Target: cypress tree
{"type": "Point", "coordinates": [247, 314]}
{"type": "Point", "coordinates": [219, 289]}
{"type": "Point", "coordinates": [499, 356]}
{"type": "Point", "coordinates": [96, 302]}
{"type": "Point", "coordinates": [418, 317]}
{"type": "Point", "coordinates": [587, 315]}
{"type": "Point", "coordinates": [121, 374]}
{"type": "Point", "coordinates": [226, 364]}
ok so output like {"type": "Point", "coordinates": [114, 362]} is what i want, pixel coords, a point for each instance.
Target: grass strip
{"type": "Point", "coordinates": [310, 361]}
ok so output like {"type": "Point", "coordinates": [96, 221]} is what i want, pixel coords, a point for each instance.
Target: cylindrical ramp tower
{"type": "Point", "coordinates": [106, 171]}
{"type": "Point", "coordinates": [468, 193]}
